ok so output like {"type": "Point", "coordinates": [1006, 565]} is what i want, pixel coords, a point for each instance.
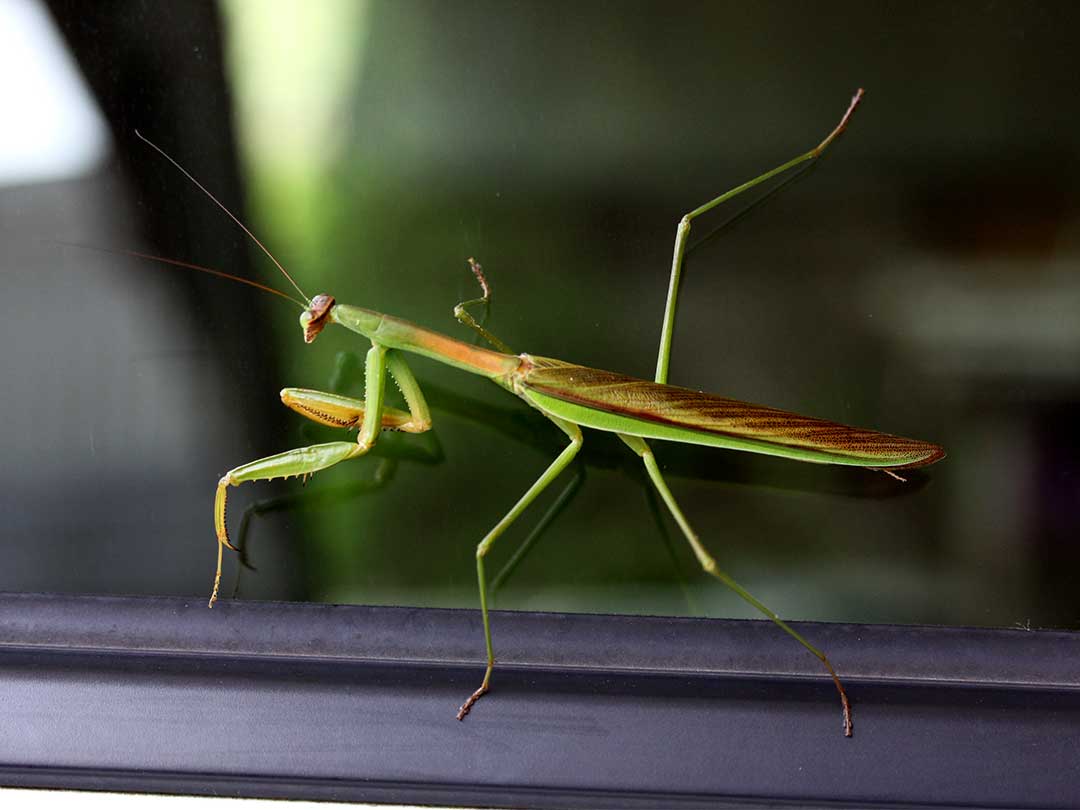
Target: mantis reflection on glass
{"type": "Point", "coordinates": [571, 397]}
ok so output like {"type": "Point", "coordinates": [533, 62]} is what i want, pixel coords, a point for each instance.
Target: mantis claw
{"type": "Point", "coordinates": [217, 580]}
{"type": "Point", "coordinates": [222, 533]}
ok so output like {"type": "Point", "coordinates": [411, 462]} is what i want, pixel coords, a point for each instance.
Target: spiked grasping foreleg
{"type": "Point", "coordinates": [301, 461]}
{"type": "Point", "coordinates": [368, 414]}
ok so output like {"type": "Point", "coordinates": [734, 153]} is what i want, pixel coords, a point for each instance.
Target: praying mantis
{"type": "Point", "coordinates": [572, 397]}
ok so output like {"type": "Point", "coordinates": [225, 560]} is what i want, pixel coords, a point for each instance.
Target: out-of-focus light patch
{"type": "Point", "coordinates": [1002, 318]}
{"type": "Point", "coordinates": [52, 130]}
{"type": "Point", "coordinates": [293, 65]}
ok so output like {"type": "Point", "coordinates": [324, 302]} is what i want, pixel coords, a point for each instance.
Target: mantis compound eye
{"type": "Point", "coordinates": [316, 316]}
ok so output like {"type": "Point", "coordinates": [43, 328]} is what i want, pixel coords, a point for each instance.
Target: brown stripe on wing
{"type": "Point", "coordinates": [684, 407]}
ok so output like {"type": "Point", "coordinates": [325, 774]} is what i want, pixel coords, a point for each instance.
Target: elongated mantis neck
{"type": "Point", "coordinates": [396, 333]}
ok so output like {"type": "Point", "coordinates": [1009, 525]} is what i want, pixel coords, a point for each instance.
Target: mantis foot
{"type": "Point", "coordinates": [466, 707]}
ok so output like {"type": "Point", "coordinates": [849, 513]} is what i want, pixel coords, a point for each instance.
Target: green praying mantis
{"type": "Point", "coordinates": [572, 397]}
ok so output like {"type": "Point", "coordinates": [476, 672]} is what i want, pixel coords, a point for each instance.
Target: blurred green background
{"type": "Point", "coordinates": [921, 280]}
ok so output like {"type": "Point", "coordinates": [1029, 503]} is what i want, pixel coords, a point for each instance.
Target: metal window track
{"type": "Point", "coordinates": [358, 703]}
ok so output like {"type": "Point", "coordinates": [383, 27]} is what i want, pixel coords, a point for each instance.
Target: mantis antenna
{"type": "Point", "coordinates": [221, 205]}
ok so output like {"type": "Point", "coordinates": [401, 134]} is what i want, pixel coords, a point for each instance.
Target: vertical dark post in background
{"type": "Point", "coordinates": [160, 68]}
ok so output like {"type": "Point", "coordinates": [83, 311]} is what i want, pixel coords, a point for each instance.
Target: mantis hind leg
{"type": "Point", "coordinates": [550, 474]}
{"type": "Point", "coordinates": [682, 232]}
{"type": "Point", "coordinates": [708, 563]}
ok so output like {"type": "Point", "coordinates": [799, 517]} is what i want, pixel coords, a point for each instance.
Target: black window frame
{"type": "Point", "coordinates": [318, 701]}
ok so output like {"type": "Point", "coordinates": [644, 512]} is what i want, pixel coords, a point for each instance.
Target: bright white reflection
{"type": "Point", "coordinates": [52, 130]}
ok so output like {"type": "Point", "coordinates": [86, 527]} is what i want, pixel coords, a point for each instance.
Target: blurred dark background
{"type": "Point", "coordinates": [921, 280]}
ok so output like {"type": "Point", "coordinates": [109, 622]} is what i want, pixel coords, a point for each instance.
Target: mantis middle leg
{"type": "Point", "coordinates": [550, 474]}
{"type": "Point", "coordinates": [461, 310]}
{"type": "Point", "coordinates": [331, 409]}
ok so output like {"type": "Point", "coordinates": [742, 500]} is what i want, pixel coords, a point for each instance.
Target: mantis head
{"type": "Point", "coordinates": [316, 316]}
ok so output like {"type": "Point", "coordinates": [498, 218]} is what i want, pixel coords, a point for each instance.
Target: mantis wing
{"type": "Point", "coordinates": [607, 401]}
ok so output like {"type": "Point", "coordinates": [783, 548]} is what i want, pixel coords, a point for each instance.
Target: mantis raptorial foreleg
{"type": "Point", "coordinates": [336, 410]}
{"type": "Point", "coordinates": [708, 563]}
{"type": "Point", "coordinates": [550, 474]}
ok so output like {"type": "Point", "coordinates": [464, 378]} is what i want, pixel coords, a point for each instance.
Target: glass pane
{"type": "Point", "coordinates": [921, 280]}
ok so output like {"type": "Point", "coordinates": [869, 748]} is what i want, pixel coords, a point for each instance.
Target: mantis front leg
{"type": "Point", "coordinates": [330, 409]}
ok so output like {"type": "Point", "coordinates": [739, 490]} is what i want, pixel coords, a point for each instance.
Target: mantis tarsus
{"type": "Point", "coordinates": [572, 397]}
